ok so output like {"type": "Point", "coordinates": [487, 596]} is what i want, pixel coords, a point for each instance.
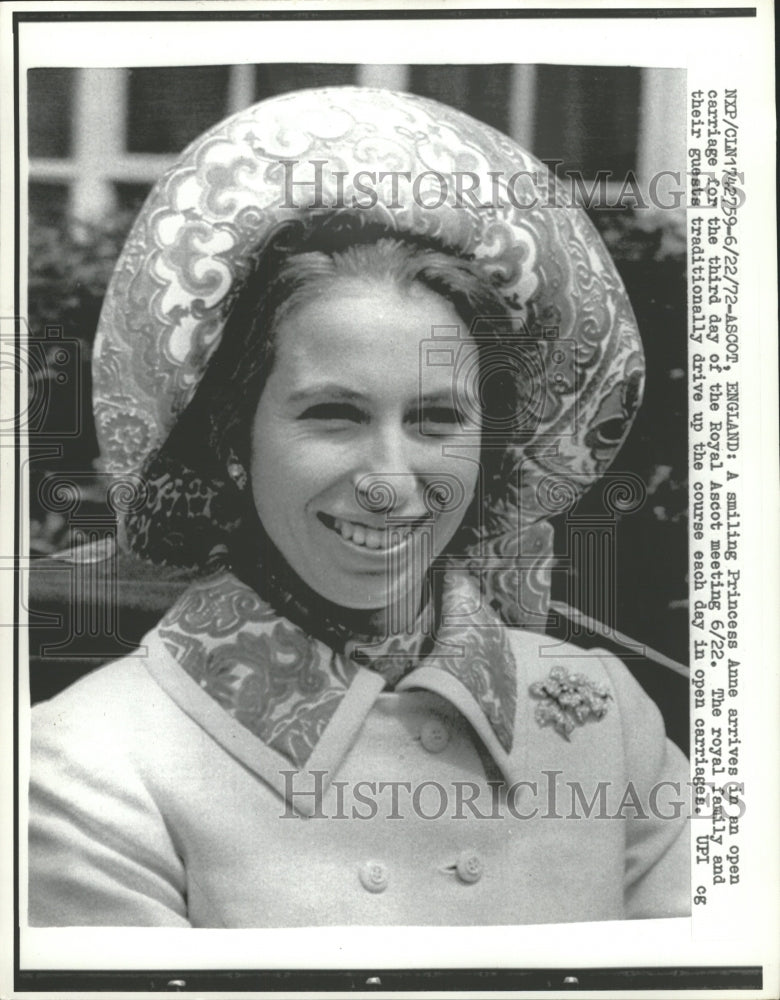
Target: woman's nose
{"type": "Point", "coordinates": [389, 479]}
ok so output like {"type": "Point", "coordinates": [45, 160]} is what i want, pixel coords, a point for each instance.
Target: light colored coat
{"type": "Point", "coordinates": [151, 806]}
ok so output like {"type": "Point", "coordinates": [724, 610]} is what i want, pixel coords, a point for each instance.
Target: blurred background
{"type": "Point", "coordinates": [99, 138]}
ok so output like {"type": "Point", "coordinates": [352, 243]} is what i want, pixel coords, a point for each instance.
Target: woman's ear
{"type": "Point", "coordinates": [236, 471]}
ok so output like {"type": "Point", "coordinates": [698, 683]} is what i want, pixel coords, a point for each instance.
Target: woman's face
{"type": "Point", "coordinates": [365, 450]}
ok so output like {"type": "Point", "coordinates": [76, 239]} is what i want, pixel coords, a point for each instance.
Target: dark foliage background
{"type": "Point", "coordinates": [69, 268]}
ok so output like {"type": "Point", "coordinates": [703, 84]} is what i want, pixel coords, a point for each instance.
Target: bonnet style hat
{"type": "Point", "coordinates": [419, 170]}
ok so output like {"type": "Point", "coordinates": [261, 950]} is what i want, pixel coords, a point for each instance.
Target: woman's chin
{"type": "Point", "coordinates": [370, 593]}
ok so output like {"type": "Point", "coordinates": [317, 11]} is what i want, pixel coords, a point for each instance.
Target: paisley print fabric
{"type": "Point", "coordinates": [265, 672]}
{"type": "Point", "coordinates": [200, 235]}
{"type": "Point", "coordinates": [284, 685]}
{"type": "Point", "coordinates": [283, 159]}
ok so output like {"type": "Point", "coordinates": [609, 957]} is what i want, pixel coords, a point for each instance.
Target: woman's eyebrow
{"type": "Point", "coordinates": [330, 389]}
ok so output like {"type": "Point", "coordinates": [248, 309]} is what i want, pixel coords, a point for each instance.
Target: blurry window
{"type": "Point", "coordinates": [170, 106]}
{"type": "Point", "coordinates": [280, 78]}
{"type": "Point", "coordinates": [587, 116]}
{"type": "Point", "coordinates": [49, 107]}
{"type": "Point", "coordinates": [130, 197]}
{"type": "Point", "coordinates": [480, 91]}
{"type": "Point", "coordinates": [48, 202]}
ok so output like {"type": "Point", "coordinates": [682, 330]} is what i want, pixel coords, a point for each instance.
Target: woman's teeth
{"type": "Point", "coordinates": [371, 538]}
{"type": "Point", "coordinates": [358, 534]}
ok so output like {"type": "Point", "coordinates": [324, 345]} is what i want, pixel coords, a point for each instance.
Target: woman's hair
{"type": "Point", "coordinates": [300, 262]}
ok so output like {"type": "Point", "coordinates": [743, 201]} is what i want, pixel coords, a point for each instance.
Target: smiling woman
{"type": "Point", "coordinates": [345, 402]}
{"type": "Point", "coordinates": [353, 425]}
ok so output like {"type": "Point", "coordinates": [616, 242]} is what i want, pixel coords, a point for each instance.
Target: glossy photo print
{"type": "Point", "coordinates": [387, 491]}
{"type": "Point", "coordinates": [369, 552]}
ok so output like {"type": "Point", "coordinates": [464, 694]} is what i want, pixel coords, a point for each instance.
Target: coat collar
{"type": "Point", "coordinates": [286, 688]}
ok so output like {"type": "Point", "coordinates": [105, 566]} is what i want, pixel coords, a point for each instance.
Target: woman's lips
{"type": "Point", "coordinates": [365, 536]}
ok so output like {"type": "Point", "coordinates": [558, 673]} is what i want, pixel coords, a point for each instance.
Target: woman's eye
{"type": "Point", "coordinates": [439, 420]}
{"type": "Point", "coordinates": [334, 411]}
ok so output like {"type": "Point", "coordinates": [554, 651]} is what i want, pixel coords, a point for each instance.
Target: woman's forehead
{"type": "Point", "coordinates": [369, 336]}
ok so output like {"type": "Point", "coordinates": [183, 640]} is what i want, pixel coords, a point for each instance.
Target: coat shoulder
{"type": "Point", "coordinates": [536, 654]}
{"type": "Point", "coordinates": [102, 708]}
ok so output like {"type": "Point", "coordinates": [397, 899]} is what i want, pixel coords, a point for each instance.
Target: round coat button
{"type": "Point", "coordinates": [373, 876]}
{"type": "Point", "coordinates": [434, 735]}
{"type": "Point", "coordinates": [469, 866]}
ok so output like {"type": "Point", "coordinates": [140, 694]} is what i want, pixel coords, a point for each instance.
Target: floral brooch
{"type": "Point", "coordinates": [568, 700]}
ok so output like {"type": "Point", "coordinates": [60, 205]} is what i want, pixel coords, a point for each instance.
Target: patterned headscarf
{"type": "Point", "coordinates": [414, 169]}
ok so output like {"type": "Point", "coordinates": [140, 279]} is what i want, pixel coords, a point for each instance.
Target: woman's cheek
{"type": "Point", "coordinates": [464, 470]}
{"type": "Point", "coordinates": [317, 460]}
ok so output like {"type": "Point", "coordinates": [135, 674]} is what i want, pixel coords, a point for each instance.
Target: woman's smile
{"type": "Point", "coordinates": [366, 537]}
{"type": "Point", "coordinates": [352, 437]}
